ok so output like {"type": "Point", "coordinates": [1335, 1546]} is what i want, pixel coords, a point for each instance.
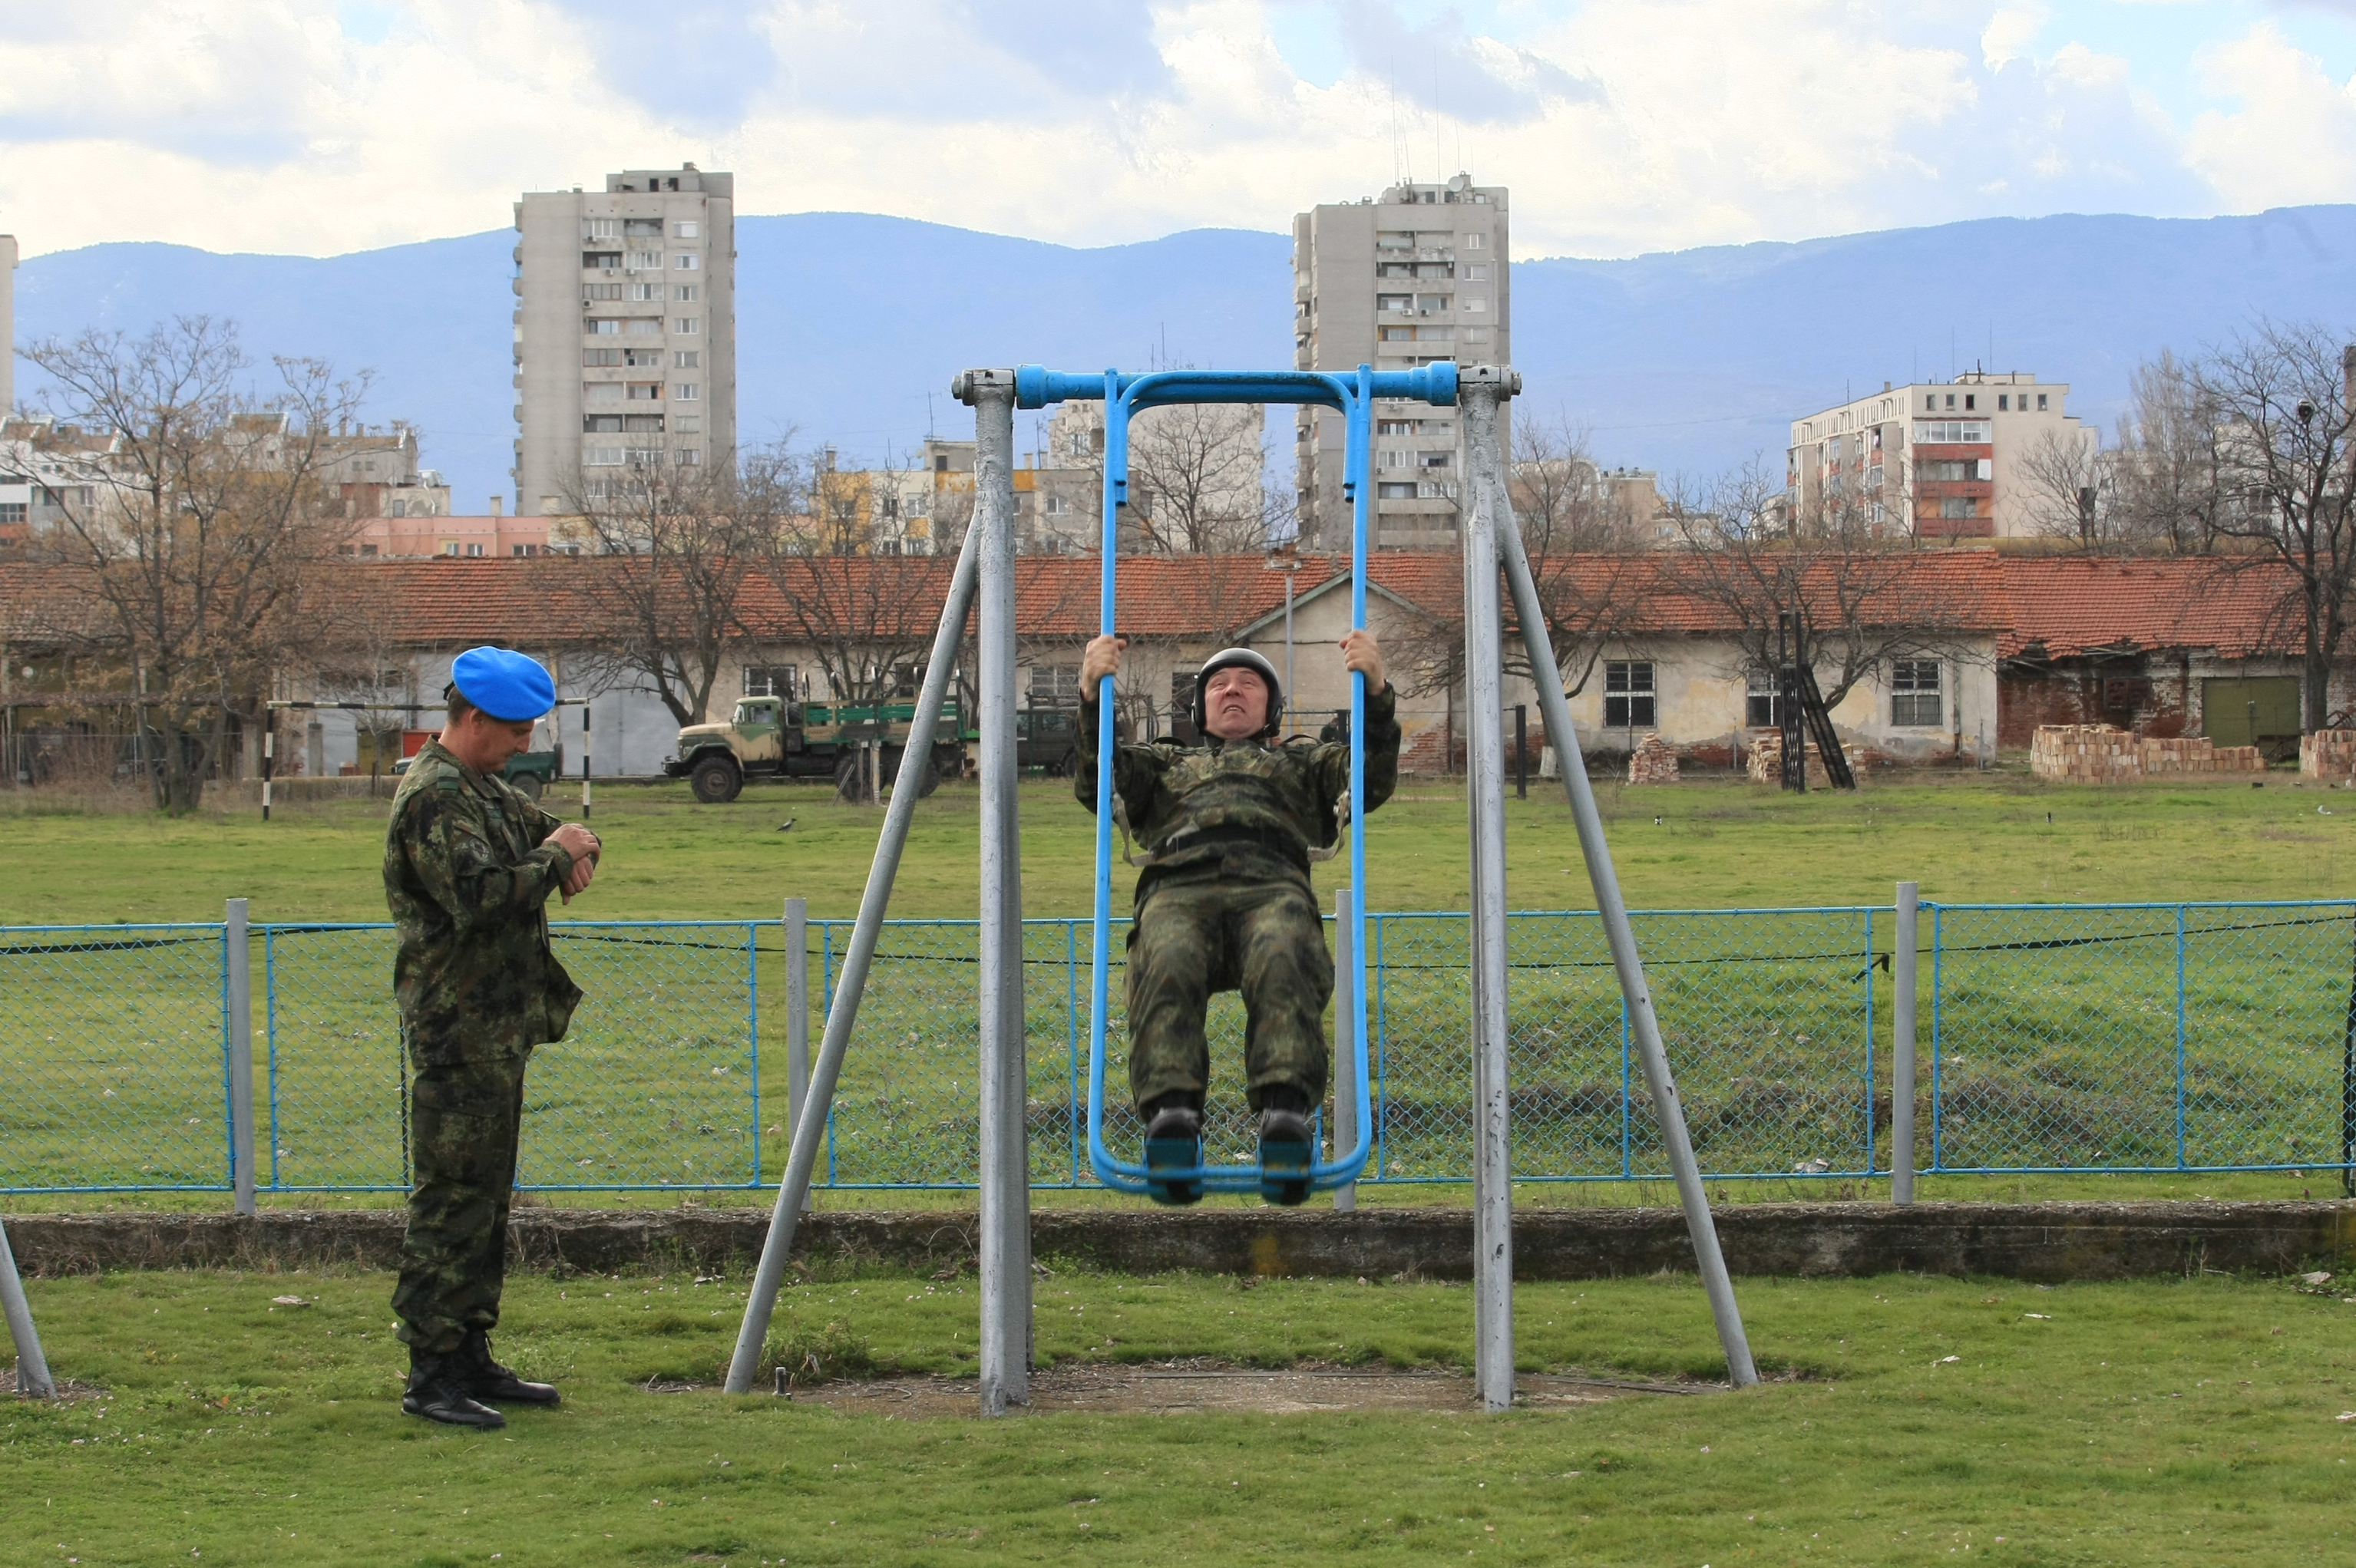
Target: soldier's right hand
{"type": "Point", "coordinates": [1099, 659]}
{"type": "Point", "coordinates": [580, 843]}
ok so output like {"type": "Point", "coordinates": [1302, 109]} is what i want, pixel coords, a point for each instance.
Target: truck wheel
{"type": "Point", "coordinates": [846, 778]}
{"type": "Point", "coordinates": [716, 781]}
{"type": "Point", "coordinates": [920, 773]}
{"type": "Point", "coordinates": [527, 786]}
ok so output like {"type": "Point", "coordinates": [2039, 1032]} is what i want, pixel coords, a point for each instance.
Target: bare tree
{"type": "Point", "coordinates": [1861, 596]}
{"type": "Point", "coordinates": [2285, 439]}
{"type": "Point", "coordinates": [1196, 476]}
{"type": "Point", "coordinates": [206, 520]}
{"type": "Point", "coordinates": [2068, 492]}
{"type": "Point", "coordinates": [2167, 474]}
{"type": "Point", "coordinates": [678, 547]}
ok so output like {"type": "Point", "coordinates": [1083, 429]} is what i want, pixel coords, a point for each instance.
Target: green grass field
{"type": "Point", "coordinates": [1716, 845]}
{"type": "Point", "coordinates": [1907, 1421]}
{"type": "Point", "coordinates": [2060, 1059]}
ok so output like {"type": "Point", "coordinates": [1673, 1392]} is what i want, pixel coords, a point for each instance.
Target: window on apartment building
{"type": "Point", "coordinates": [2003, 402]}
{"type": "Point", "coordinates": [592, 358]}
{"type": "Point", "coordinates": [603, 326]}
{"type": "Point", "coordinates": [645, 391]}
{"type": "Point", "coordinates": [684, 293]}
{"type": "Point", "coordinates": [685, 228]}
{"type": "Point", "coordinates": [1958, 506]}
{"type": "Point", "coordinates": [601, 392]}
{"type": "Point", "coordinates": [1394, 427]}
{"type": "Point", "coordinates": [641, 227]}
{"type": "Point", "coordinates": [688, 325]}
{"type": "Point", "coordinates": [602, 457]}
{"type": "Point", "coordinates": [646, 325]}
{"type": "Point", "coordinates": [1474, 304]}
{"type": "Point", "coordinates": [770, 680]}
{"type": "Point", "coordinates": [643, 456]}
{"type": "Point", "coordinates": [1436, 460]}
{"type": "Point", "coordinates": [449, 547]}
{"type": "Point", "coordinates": [601, 291]}
{"type": "Point", "coordinates": [1476, 272]}
{"type": "Point", "coordinates": [686, 261]}
{"type": "Point", "coordinates": [1395, 491]}
{"type": "Point", "coordinates": [1057, 685]}
{"type": "Point", "coordinates": [368, 550]}
{"type": "Point", "coordinates": [1476, 241]}
{"type": "Point", "coordinates": [601, 425]}
{"type": "Point", "coordinates": [1628, 693]}
{"type": "Point", "coordinates": [1761, 707]}
{"type": "Point", "coordinates": [1435, 335]}
{"type": "Point", "coordinates": [646, 423]}
{"type": "Point", "coordinates": [1393, 459]}
{"type": "Point", "coordinates": [1394, 302]}
{"type": "Point", "coordinates": [687, 457]}
{"type": "Point", "coordinates": [643, 261]}
{"type": "Point", "coordinates": [686, 360]}
{"type": "Point", "coordinates": [1914, 695]}
{"type": "Point", "coordinates": [646, 291]}
{"type": "Point", "coordinates": [604, 228]}
{"type": "Point", "coordinates": [519, 549]}
{"type": "Point", "coordinates": [597, 261]}
{"type": "Point", "coordinates": [2040, 402]}
{"type": "Point", "coordinates": [473, 550]}
{"type": "Point", "coordinates": [643, 359]}
{"type": "Point", "coordinates": [687, 424]}
{"type": "Point", "coordinates": [1056, 506]}
{"type": "Point", "coordinates": [1398, 334]}
{"type": "Point", "coordinates": [1476, 334]}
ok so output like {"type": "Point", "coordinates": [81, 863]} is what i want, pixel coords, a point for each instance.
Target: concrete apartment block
{"type": "Point", "coordinates": [624, 333]}
{"type": "Point", "coordinates": [1415, 275]}
{"type": "Point", "coordinates": [1970, 458]}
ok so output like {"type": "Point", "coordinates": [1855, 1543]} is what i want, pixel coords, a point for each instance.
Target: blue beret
{"type": "Point", "coordinates": [509, 686]}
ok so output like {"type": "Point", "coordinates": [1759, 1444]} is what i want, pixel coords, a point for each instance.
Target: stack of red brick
{"type": "Point", "coordinates": [1766, 762]}
{"type": "Point", "coordinates": [2328, 755]}
{"type": "Point", "coordinates": [1654, 761]}
{"type": "Point", "coordinates": [2104, 753]}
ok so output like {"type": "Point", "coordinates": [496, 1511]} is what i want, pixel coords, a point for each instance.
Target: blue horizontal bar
{"type": "Point", "coordinates": [1035, 386]}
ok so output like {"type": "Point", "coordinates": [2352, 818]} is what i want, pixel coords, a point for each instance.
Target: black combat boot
{"type": "Point", "coordinates": [438, 1390]}
{"type": "Point", "coordinates": [1288, 1144]}
{"type": "Point", "coordinates": [487, 1381]}
{"type": "Point", "coordinates": [1174, 1142]}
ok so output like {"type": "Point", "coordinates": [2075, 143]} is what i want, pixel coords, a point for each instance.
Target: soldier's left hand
{"type": "Point", "coordinates": [1360, 653]}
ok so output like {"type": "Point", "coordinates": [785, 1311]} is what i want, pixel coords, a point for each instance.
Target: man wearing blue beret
{"type": "Point", "coordinates": [469, 864]}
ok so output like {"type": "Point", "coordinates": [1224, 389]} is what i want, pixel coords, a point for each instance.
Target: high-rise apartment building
{"type": "Point", "coordinates": [1414, 276]}
{"type": "Point", "coordinates": [624, 333]}
{"type": "Point", "coordinates": [1986, 455]}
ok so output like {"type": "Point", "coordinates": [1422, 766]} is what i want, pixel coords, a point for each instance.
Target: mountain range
{"type": "Point", "coordinates": [851, 324]}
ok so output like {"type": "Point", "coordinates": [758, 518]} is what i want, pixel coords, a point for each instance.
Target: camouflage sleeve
{"type": "Point", "coordinates": [459, 869]}
{"type": "Point", "coordinates": [1136, 770]}
{"type": "Point", "coordinates": [1382, 753]}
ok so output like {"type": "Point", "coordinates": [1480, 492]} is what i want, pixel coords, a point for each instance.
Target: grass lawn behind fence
{"type": "Point", "coordinates": [1917, 1421]}
{"type": "Point", "coordinates": [1717, 844]}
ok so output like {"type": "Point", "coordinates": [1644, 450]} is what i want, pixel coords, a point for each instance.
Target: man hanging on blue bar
{"type": "Point", "coordinates": [1224, 901]}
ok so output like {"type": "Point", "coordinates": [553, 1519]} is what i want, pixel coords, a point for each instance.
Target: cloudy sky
{"type": "Point", "coordinates": [320, 126]}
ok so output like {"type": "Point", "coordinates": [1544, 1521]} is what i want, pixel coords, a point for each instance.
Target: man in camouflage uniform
{"type": "Point", "coordinates": [469, 864]}
{"type": "Point", "coordinates": [1224, 902]}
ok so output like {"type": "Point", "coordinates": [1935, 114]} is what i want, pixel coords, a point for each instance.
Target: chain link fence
{"type": "Point", "coordinates": [2063, 1038]}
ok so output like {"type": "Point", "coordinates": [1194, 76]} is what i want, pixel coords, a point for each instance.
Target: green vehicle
{"type": "Point", "coordinates": [531, 773]}
{"type": "Point", "coordinates": [787, 738]}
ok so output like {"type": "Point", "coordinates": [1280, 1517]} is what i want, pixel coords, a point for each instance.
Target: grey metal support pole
{"type": "Point", "coordinates": [1345, 1055]}
{"type": "Point", "coordinates": [237, 1041]}
{"type": "Point", "coordinates": [1903, 959]}
{"type": "Point", "coordinates": [797, 1017]}
{"type": "Point", "coordinates": [33, 1377]}
{"type": "Point", "coordinates": [1646, 1027]}
{"type": "Point", "coordinates": [1005, 1262]}
{"type": "Point", "coordinates": [1484, 792]}
{"type": "Point", "coordinates": [793, 1192]}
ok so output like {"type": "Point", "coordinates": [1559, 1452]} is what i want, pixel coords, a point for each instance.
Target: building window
{"type": "Point", "coordinates": [1951, 433]}
{"type": "Point", "coordinates": [601, 291]}
{"type": "Point", "coordinates": [646, 391]}
{"type": "Point", "coordinates": [1970, 401]}
{"type": "Point", "coordinates": [1057, 506]}
{"type": "Point", "coordinates": [1628, 694]}
{"type": "Point", "coordinates": [769, 680]}
{"type": "Point", "coordinates": [597, 261]}
{"type": "Point", "coordinates": [1058, 685]}
{"type": "Point", "coordinates": [684, 293]}
{"type": "Point", "coordinates": [1474, 241]}
{"type": "Point", "coordinates": [687, 457]}
{"type": "Point", "coordinates": [684, 391]}
{"type": "Point", "coordinates": [603, 326]}
{"type": "Point", "coordinates": [1914, 700]}
{"type": "Point", "coordinates": [1761, 706]}
{"type": "Point", "coordinates": [1474, 303]}
{"type": "Point", "coordinates": [686, 360]}
{"type": "Point", "coordinates": [473, 550]}
{"type": "Point", "coordinates": [602, 392]}
{"type": "Point", "coordinates": [687, 424]}
{"type": "Point", "coordinates": [688, 325]}
{"type": "Point", "coordinates": [646, 358]}
{"type": "Point", "coordinates": [1476, 272]}
{"type": "Point", "coordinates": [368, 550]}
{"type": "Point", "coordinates": [603, 457]}
{"type": "Point", "coordinates": [449, 547]}
{"type": "Point", "coordinates": [1958, 506]}
{"type": "Point", "coordinates": [519, 549]}
{"type": "Point", "coordinates": [685, 228]}
{"type": "Point", "coordinates": [643, 261]}
{"type": "Point", "coordinates": [646, 291]}
{"type": "Point", "coordinates": [1476, 334]}
{"type": "Point", "coordinates": [1393, 459]}
{"type": "Point", "coordinates": [592, 358]}
{"type": "Point", "coordinates": [646, 325]}
{"type": "Point", "coordinates": [686, 261]}
{"type": "Point", "coordinates": [2040, 402]}
{"type": "Point", "coordinates": [604, 228]}
{"type": "Point", "coordinates": [643, 456]}
{"type": "Point", "coordinates": [2003, 402]}
{"type": "Point", "coordinates": [12, 512]}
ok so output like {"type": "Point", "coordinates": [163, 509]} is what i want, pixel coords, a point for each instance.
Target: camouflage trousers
{"type": "Point", "coordinates": [1262, 937]}
{"type": "Point", "coordinates": [464, 1121]}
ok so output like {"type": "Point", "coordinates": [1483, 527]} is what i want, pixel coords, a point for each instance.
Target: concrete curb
{"type": "Point", "coordinates": [2043, 1242]}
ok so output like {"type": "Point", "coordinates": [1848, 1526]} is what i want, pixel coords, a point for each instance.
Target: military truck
{"type": "Point", "coordinates": [790, 737]}
{"type": "Point", "coordinates": [530, 772]}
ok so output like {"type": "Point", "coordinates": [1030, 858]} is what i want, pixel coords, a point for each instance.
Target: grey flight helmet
{"type": "Point", "coordinates": [1239, 659]}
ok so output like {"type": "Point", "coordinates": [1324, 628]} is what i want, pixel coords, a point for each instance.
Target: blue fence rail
{"type": "Point", "coordinates": [2060, 1038]}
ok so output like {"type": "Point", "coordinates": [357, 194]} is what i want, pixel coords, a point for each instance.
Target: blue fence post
{"type": "Point", "coordinates": [2179, 1037]}
{"type": "Point", "coordinates": [1072, 1092]}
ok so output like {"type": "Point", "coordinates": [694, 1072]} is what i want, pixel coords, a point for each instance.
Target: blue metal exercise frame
{"type": "Point", "coordinates": [1353, 396]}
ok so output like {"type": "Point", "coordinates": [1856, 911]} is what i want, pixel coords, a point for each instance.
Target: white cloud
{"type": "Point", "coordinates": [310, 126]}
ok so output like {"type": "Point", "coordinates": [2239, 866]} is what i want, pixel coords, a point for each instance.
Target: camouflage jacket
{"type": "Point", "coordinates": [468, 875]}
{"type": "Point", "coordinates": [1228, 791]}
